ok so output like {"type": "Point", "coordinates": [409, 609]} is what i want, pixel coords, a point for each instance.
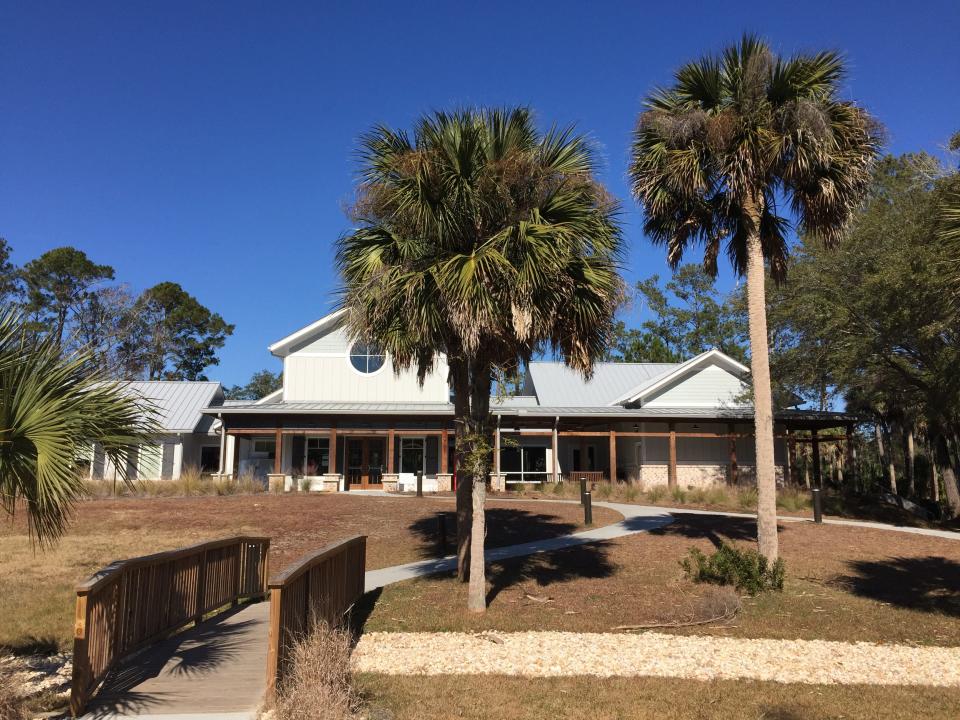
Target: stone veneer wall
{"type": "Point", "coordinates": [702, 476]}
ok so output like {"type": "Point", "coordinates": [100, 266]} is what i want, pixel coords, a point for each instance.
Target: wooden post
{"type": "Point", "coordinates": [273, 648]}
{"type": "Point", "coordinates": [81, 659]}
{"type": "Point", "coordinates": [236, 457]}
{"type": "Point", "coordinates": [201, 586]}
{"type": "Point", "coordinates": [613, 456]}
{"type": "Point", "coordinates": [732, 447]}
{"type": "Point", "coordinates": [672, 467]}
{"type": "Point", "coordinates": [817, 472]}
{"type": "Point", "coordinates": [444, 451]}
{"type": "Point", "coordinates": [277, 451]}
{"type": "Point", "coordinates": [496, 452]}
{"type": "Point", "coordinates": [333, 451]}
{"type": "Point", "coordinates": [391, 442]}
{"type": "Point", "coordinates": [790, 448]}
{"type": "Point", "coordinates": [554, 451]}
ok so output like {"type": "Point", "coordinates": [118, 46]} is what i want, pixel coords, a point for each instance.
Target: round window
{"type": "Point", "coordinates": [366, 357]}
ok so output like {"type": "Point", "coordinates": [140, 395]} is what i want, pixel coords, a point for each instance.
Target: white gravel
{"type": "Point", "coordinates": [551, 654]}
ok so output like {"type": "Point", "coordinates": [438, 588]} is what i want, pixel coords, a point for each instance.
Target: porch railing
{"type": "Point", "coordinates": [133, 603]}
{"type": "Point", "coordinates": [591, 476]}
{"type": "Point", "coordinates": [323, 585]}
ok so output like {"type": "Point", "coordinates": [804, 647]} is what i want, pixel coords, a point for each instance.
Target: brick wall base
{"type": "Point", "coordinates": [699, 476]}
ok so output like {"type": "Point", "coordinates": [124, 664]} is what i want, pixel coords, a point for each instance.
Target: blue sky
{"type": "Point", "coordinates": [212, 143]}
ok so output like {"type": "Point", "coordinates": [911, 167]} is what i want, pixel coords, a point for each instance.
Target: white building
{"type": "Point", "coordinates": [345, 419]}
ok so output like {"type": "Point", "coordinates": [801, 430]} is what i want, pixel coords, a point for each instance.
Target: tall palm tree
{"type": "Point", "coordinates": [488, 242]}
{"type": "Point", "coordinates": [52, 410]}
{"type": "Point", "coordinates": [715, 158]}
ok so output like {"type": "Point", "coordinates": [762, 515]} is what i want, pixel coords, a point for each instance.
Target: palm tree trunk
{"type": "Point", "coordinates": [481, 384]}
{"type": "Point", "coordinates": [950, 473]}
{"type": "Point", "coordinates": [477, 591]}
{"type": "Point", "coordinates": [886, 462]}
{"type": "Point", "coordinates": [762, 398]}
{"type": "Point", "coordinates": [460, 382]}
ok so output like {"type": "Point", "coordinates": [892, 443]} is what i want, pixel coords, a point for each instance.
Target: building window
{"type": "Point", "coordinates": [524, 464]}
{"type": "Point", "coordinates": [366, 357]}
{"type": "Point", "coordinates": [210, 458]}
{"type": "Point", "coordinates": [412, 454]}
{"type": "Point", "coordinates": [263, 447]}
{"type": "Point", "coordinates": [317, 458]}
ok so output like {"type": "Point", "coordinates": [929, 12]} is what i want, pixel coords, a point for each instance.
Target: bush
{"type": "Point", "coordinates": [746, 570]}
{"type": "Point", "coordinates": [678, 494]}
{"type": "Point", "coordinates": [12, 701]}
{"type": "Point", "coordinates": [657, 493]}
{"type": "Point", "coordinates": [631, 492]}
{"type": "Point", "coordinates": [319, 685]}
{"type": "Point", "coordinates": [604, 490]}
{"type": "Point", "coordinates": [747, 499]}
{"type": "Point", "coordinates": [793, 500]}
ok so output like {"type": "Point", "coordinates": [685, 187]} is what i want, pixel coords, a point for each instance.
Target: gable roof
{"type": "Point", "coordinates": [282, 347]}
{"type": "Point", "coordinates": [714, 356]}
{"type": "Point", "coordinates": [555, 384]}
{"type": "Point", "coordinates": [179, 403]}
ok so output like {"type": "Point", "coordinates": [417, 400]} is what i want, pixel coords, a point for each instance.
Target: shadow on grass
{"type": "Point", "coordinates": [589, 561]}
{"type": "Point", "coordinates": [928, 584]}
{"type": "Point", "coordinates": [32, 645]}
{"type": "Point", "coordinates": [712, 528]}
{"type": "Point", "coordinates": [505, 526]}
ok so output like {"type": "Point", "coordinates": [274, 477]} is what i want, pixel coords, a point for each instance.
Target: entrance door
{"type": "Point", "coordinates": [366, 458]}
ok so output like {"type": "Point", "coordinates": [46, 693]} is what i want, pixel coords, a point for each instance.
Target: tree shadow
{"type": "Point", "coordinates": [929, 584]}
{"type": "Point", "coordinates": [195, 652]}
{"type": "Point", "coordinates": [505, 526]}
{"type": "Point", "coordinates": [32, 645]}
{"type": "Point", "coordinates": [710, 527]}
{"type": "Point", "coordinates": [361, 611]}
{"type": "Point", "coordinates": [588, 561]}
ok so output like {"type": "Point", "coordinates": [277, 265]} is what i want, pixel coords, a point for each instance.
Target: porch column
{"type": "Point", "coordinates": [236, 456]}
{"type": "Point", "coordinates": [788, 468]}
{"type": "Point", "coordinates": [277, 452]}
{"type": "Point", "coordinates": [223, 449]}
{"type": "Point", "coordinates": [496, 451]}
{"type": "Point", "coordinates": [613, 456]}
{"type": "Point", "coordinates": [444, 451]}
{"type": "Point", "coordinates": [391, 442]}
{"type": "Point", "coordinates": [554, 449]}
{"type": "Point", "coordinates": [672, 467]}
{"type": "Point", "coordinates": [817, 475]}
{"type": "Point", "coordinates": [333, 451]}
{"type": "Point", "coordinates": [732, 444]}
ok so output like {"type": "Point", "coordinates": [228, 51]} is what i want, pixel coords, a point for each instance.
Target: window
{"type": "Point", "coordinates": [524, 464]}
{"type": "Point", "coordinates": [210, 458]}
{"type": "Point", "coordinates": [412, 454]}
{"type": "Point", "coordinates": [317, 458]}
{"type": "Point", "coordinates": [263, 447]}
{"type": "Point", "coordinates": [149, 458]}
{"type": "Point", "coordinates": [366, 357]}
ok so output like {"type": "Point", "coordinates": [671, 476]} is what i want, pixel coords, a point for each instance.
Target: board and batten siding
{"type": "Point", "coordinates": [710, 387]}
{"type": "Point", "coordinates": [319, 370]}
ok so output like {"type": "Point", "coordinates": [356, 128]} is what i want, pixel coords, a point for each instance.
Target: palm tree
{"type": "Point", "coordinates": [715, 157]}
{"type": "Point", "coordinates": [483, 240]}
{"type": "Point", "coordinates": [52, 410]}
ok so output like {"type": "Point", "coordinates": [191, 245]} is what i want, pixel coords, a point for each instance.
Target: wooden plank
{"type": "Point", "coordinates": [391, 444]}
{"type": "Point", "coordinates": [444, 451]}
{"type": "Point", "coordinates": [277, 452]}
{"type": "Point", "coordinates": [82, 675]}
{"type": "Point", "coordinates": [613, 456]}
{"type": "Point", "coordinates": [332, 451]}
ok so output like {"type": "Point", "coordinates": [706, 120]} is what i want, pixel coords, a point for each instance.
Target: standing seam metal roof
{"type": "Point", "coordinates": [179, 403]}
{"type": "Point", "coordinates": [557, 385]}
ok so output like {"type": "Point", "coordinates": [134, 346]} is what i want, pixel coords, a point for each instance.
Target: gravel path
{"type": "Point", "coordinates": [543, 654]}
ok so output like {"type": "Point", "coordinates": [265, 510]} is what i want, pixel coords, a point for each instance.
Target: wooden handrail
{"type": "Point", "coordinates": [322, 585]}
{"type": "Point", "coordinates": [296, 569]}
{"type": "Point", "coordinates": [133, 603]}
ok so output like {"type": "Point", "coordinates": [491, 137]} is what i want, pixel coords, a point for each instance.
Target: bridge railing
{"type": "Point", "coordinates": [323, 585]}
{"type": "Point", "coordinates": [133, 603]}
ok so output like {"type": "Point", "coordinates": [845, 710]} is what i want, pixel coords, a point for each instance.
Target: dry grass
{"type": "Point", "coordinates": [842, 583]}
{"type": "Point", "coordinates": [319, 685]}
{"type": "Point", "coordinates": [494, 696]}
{"type": "Point", "coordinates": [12, 702]}
{"type": "Point", "coordinates": [191, 483]}
{"type": "Point", "coordinates": [37, 597]}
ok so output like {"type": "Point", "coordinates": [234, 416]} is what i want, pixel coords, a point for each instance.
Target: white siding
{"type": "Point", "coordinates": [710, 387]}
{"type": "Point", "coordinates": [320, 370]}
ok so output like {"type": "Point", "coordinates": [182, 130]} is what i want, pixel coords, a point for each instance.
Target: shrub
{"type": "Point", "coordinates": [793, 500]}
{"type": "Point", "coordinates": [631, 492]}
{"type": "Point", "coordinates": [319, 685]}
{"type": "Point", "coordinates": [746, 570]}
{"type": "Point", "coordinates": [604, 490]}
{"type": "Point", "coordinates": [657, 493]}
{"type": "Point", "coordinates": [678, 494]}
{"type": "Point", "coordinates": [12, 701]}
{"type": "Point", "coordinates": [747, 499]}
{"type": "Point", "coordinates": [559, 488]}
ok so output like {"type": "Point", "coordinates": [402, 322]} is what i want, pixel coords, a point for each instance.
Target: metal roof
{"type": "Point", "coordinates": [345, 408]}
{"type": "Point", "coordinates": [557, 385]}
{"type": "Point", "coordinates": [180, 403]}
